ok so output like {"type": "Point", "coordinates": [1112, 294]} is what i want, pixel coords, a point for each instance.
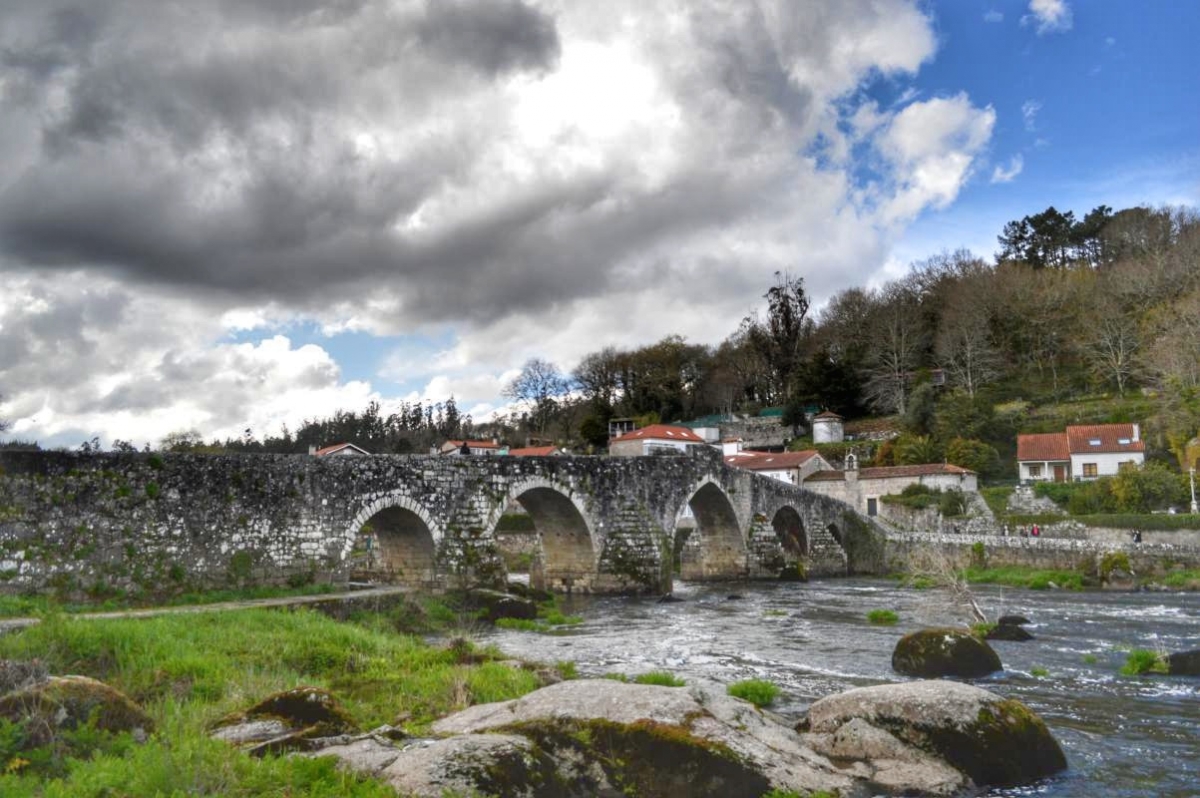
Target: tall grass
{"type": "Point", "coordinates": [189, 670]}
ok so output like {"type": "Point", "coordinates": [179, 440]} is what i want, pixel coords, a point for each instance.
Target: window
{"type": "Point", "coordinates": [1094, 442]}
{"type": "Point", "coordinates": [1089, 470]}
{"type": "Point", "coordinates": [1035, 470]}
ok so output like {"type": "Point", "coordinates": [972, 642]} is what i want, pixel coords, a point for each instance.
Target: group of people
{"type": "Point", "coordinates": [1033, 531]}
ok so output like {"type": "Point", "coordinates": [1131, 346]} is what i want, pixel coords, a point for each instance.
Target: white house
{"type": "Point", "coordinates": [861, 489]}
{"type": "Point", "coordinates": [1080, 452]}
{"type": "Point", "coordinates": [654, 439]}
{"type": "Point", "coordinates": [337, 450]}
{"type": "Point", "coordinates": [470, 447]}
{"type": "Point", "coordinates": [790, 467]}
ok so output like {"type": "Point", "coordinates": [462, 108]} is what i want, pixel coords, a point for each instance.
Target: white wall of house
{"type": "Point", "coordinates": [859, 493]}
{"type": "Point", "coordinates": [1041, 471]}
{"type": "Point", "coordinates": [643, 446]}
{"type": "Point", "coordinates": [1106, 464]}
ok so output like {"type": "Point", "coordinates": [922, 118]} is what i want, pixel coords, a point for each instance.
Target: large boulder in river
{"type": "Point", "coordinates": [931, 653]}
{"type": "Point", "coordinates": [602, 737]}
{"type": "Point", "coordinates": [1184, 663]}
{"type": "Point", "coordinates": [989, 739]}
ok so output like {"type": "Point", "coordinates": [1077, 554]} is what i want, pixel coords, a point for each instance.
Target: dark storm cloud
{"type": "Point", "coordinates": [491, 35]}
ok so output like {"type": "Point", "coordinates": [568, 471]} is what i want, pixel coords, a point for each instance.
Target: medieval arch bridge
{"type": "Point", "coordinates": [602, 524]}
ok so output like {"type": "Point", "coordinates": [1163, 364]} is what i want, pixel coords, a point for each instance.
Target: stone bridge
{"type": "Point", "coordinates": [146, 522]}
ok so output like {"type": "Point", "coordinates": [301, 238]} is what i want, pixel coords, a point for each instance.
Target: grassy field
{"type": "Point", "coordinates": [16, 606]}
{"type": "Point", "coordinates": [188, 671]}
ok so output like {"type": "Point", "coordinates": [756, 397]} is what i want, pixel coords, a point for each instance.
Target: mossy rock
{"type": "Point", "coordinates": [68, 702]}
{"type": "Point", "coordinates": [494, 605]}
{"type": "Point", "coordinates": [992, 740]}
{"type": "Point", "coordinates": [932, 653]}
{"type": "Point", "coordinates": [292, 715]}
{"type": "Point", "coordinates": [1184, 663]}
{"type": "Point", "coordinates": [1008, 632]}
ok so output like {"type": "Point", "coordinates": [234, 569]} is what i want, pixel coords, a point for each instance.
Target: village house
{"type": "Point", "coordinates": [455, 448]}
{"type": "Point", "coordinates": [654, 439]}
{"type": "Point", "coordinates": [338, 450]}
{"type": "Point", "coordinates": [536, 451]}
{"type": "Point", "coordinates": [1080, 452]}
{"type": "Point", "coordinates": [790, 467]}
{"type": "Point", "coordinates": [861, 488]}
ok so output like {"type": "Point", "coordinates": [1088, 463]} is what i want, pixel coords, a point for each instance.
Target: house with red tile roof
{"type": "Point", "coordinates": [337, 450]}
{"type": "Point", "coordinates": [1080, 452]}
{"type": "Point", "coordinates": [470, 447]}
{"type": "Point", "coordinates": [790, 467]}
{"type": "Point", "coordinates": [655, 439]}
{"type": "Point", "coordinates": [861, 488]}
{"type": "Point", "coordinates": [536, 451]}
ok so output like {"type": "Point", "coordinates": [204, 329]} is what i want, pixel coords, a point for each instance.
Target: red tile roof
{"type": "Point", "coordinates": [534, 451]}
{"type": "Point", "coordinates": [1045, 447]}
{"type": "Point", "coordinates": [661, 432]}
{"type": "Point", "coordinates": [768, 461]}
{"type": "Point", "coordinates": [1078, 439]}
{"type": "Point", "coordinates": [886, 472]}
{"type": "Point", "coordinates": [827, 414]}
{"type": "Point", "coordinates": [1109, 438]}
{"type": "Point", "coordinates": [472, 444]}
{"type": "Point", "coordinates": [337, 447]}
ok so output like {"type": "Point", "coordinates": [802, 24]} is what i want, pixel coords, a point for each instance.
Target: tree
{"type": "Point", "coordinates": [896, 333]}
{"type": "Point", "coordinates": [779, 340]}
{"type": "Point", "coordinates": [540, 384]}
{"type": "Point", "coordinates": [964, 344]}
{"type": "Point", "coordinates": [1112, 346]}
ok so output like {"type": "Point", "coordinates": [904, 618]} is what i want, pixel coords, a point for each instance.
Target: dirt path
{"type": "Point", "coordinates": [13, 624]}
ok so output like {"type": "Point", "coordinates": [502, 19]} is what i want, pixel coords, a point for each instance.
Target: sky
{"type": "Point", "coordinates": [224, 215]}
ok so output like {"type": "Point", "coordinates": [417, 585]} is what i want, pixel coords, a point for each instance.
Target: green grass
{"type": "Point", "coordinates": [550, 620]}
{"type": "Point", "coordinates": [1141, 660]}
{"type": "Point", "coordinates": [660, 678]}
{"type": "Point", "coordinates": [1182, 580]}
{"type": "Point", "coordinates": [15, 606]}
{"type": "Point", "coordinates": [1034, 579]}
{"type": "Point", "coordinates": [759, 692]}
{"type": "Point", "coordinates": [997, 499]}
{"type": "Point", "coordinates": [190, 670]}
{"type": "Point", "coordinates": [1090, 659]}
{"type": "Point", "coordinates": [883, 618]}
{"type": "Point", "coordinates": [1038, 671]}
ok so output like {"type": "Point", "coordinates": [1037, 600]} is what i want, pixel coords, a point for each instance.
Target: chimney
{"type": "Point", "coordinates": [1137, 433]}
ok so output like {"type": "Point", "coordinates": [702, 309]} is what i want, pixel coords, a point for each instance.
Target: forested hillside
{"type": "Point", "coordinates": [1093, 319]}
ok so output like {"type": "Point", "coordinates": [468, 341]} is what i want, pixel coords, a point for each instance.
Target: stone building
{"type": "Point", "coordinates": [861, 489]}
{"type": "Point", "coordinates": [827, 428]}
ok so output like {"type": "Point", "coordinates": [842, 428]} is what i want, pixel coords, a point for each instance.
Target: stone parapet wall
{"type": "Point", "coordinates": [1044, 553]}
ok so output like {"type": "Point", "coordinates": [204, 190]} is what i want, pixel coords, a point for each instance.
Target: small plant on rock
{"type": "Point", "coordinates": [660, 678]}
{"type": "Point", "coordinates": [882, 618]}
{"type": "Point", "coordinates": [1141, 660]}
{"type": "Point", "coordinates": [758, 692]}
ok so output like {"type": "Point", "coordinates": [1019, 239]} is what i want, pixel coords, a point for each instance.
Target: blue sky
{"type": "Point", "coordinates": [220, 216]}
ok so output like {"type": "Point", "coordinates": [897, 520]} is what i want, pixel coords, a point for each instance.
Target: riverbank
{"type": "Point", "coordinates": [188, 671]}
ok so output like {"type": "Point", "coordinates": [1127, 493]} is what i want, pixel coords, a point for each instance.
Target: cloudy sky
{"type": "Point", "coordinates": [225, 214]}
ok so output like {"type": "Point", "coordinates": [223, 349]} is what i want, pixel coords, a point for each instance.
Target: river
{"type": "Point", "coordinates": [1124, 736]}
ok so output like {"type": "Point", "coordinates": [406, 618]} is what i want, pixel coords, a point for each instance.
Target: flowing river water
{"type": "Point", "coordinates": [1123, 736]}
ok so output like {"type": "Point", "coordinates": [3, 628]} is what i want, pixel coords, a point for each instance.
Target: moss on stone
{"type": "Point", "coordinates": [647, 758]}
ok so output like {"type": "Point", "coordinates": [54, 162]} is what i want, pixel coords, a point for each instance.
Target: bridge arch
{"type": "Point", "coordinates": [393, 539]}
{"type": "Point", "coordinates": [716, 548]}
{"type": "Point", "coordinates": [789, 530]}
{"type": "Point", "coordinates": [568, 551]}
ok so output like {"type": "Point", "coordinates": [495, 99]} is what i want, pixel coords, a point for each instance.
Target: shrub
{"type": "Point", "coordinates": [882, 618]}
{"type": "Point", "coordinates": [997, 498]}
{"type": "Point", "coordinates": [1141, 660]}
{"type": "Point", "coordinates": [152, 490]}
{"type": "Point", "coordinates": [952, 503]}
{"type": "Point", "coordinates": [758, 692]}
{"type": "Point", "coordinates": [660, 678]}
{"type": "Point", "coordinates": [1114, 561]}
{"type": "Point", "coordinates": [975, 455]}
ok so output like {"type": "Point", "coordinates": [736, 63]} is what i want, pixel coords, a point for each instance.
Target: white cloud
{"type": "Point", "coordinates": [645, 177]}
{"type": "Point", "coordinates": [1006, 174]}
{"type": "Point", "coordinates": [1049, 16]}
{"type": "Point", "coordinates": [993, 16]}
{"type": "Point", "coordinates": [1029, 112]}
{"type": "Point", "coordinates": [932, 147]}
